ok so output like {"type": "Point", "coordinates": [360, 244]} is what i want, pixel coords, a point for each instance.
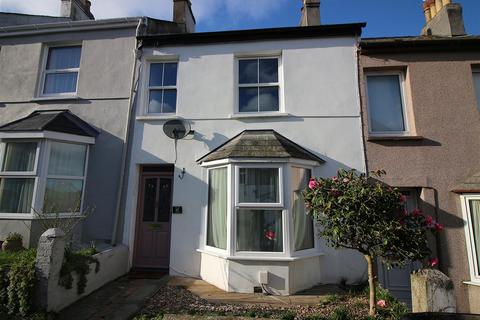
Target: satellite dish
{"type": "Point", "coordinates": [176, 129]}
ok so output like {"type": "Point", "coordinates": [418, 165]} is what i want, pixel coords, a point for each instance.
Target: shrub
{"type": "Point", "coordinates": [78, 262]}
{"type": "Point", "coordinates": [288, 315]}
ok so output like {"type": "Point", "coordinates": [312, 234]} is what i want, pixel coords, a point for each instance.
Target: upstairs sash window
{"type": "Point", "coordinates": [61, 70]}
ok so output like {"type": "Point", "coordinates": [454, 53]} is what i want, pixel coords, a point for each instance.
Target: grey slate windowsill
{"type": "Point", "coordinates": [259, 115]}
{"type": "Point", "coordinates": [56, 98]}
{"type": "Point", "coordinates": [392, 137]}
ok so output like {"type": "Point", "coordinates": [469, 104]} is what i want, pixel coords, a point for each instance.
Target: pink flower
{"type": "Point", "coordinates": [270, 235]}
{"type": "Point", "coordinates": [429, 220]}
{"type": "Point", "coordinates": [402, 222]}
{"type": "Point", "coordinates": [433, 262]}
{"type": "Point", "coordinates": [403, 198]}
{"type": "Point", "coordinates": [416, 212]}
{"type": "Point", "coordinates": [312, 184]}
{"type": "Point", "coordinates": [334, 179]}
{"type": "Point", "coordinates": [405, 212]}
{"type": "Point", "coordinates": [438, 227]}
{"type": "Point", "coordinates": [346, 180]}
{"type": "Point", "coordinates": [381, 303]}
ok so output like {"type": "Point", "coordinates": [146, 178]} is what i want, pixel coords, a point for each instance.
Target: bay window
{"type": "Point", "coordinates": [471, 212]}
{"type": "Point", "coordinates": [43, 175]}
{"type": "Point", "coordinates": [250, 215]}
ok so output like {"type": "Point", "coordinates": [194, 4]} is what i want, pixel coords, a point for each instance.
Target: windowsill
{"type": "Point", "coordinates": [472, 283]}
{"type": "Point", "coordinates": [29, 216]}
{"type": "Point", "coordinates": [259, 258]}
{"type": "Point", "coordinates": [393, 137]}
{"type": "Point", "coordinates": [259, 115]}
{"type": "Point", "coordinates": [157, 117]}
{"type": "Point", "coordinates": [55, 98]}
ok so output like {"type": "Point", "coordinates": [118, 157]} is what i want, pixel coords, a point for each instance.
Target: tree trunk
{"type": "Point", "coordinates": [371, 284]}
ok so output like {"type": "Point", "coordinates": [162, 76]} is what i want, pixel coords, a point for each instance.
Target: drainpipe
{"type": "Point", "coordinates": [137, 52]}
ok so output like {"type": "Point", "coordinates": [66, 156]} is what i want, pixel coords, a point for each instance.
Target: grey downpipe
{"type": "Point", "coordinates": [136, 57]}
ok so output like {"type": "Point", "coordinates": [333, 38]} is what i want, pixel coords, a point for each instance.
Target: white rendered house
{"type": "Point", "coordinates": [268, 109]}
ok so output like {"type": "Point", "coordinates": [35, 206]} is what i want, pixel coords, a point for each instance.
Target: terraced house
{"type": "Point", "coordinates": [420, 103]}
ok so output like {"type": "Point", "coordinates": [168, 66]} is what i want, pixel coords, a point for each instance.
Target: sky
{"type": "Point", "coordinates": [383, 17]}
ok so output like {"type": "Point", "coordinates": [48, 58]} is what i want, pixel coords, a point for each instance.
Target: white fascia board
{"type": "Point", "coordinates": [47, 135]}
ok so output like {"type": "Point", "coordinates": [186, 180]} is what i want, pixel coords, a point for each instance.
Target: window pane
{"type": "Point", "coordinates": [268, 70]}
{"type": "Point", "coordinates": [475, 216]}
{"type": "Point", "coordinates": [19, 156]}
{"type": "Point", "coordinates": [476, 82]}
{"type": "Point", "coordinates": [165, 200]}
{"type": "Point", "coordinates": [217, 208]}
{"type": "Point", "coordinates": [60, 82]}
{"type": "Point", "coordinates": [269, 99]}
{"type": "Point", "coordinates": [259, 230]}
{"type": "Point", "coordinates": [16, 195]}
{"type": "Point", "coordinates": [170, 75]}
{"type": "Point", "coordinates": [169, 101]}
{"type": "Point", "coordinates": [302, 223]}
{"type": "Point", "coordinates": [150, 200]}
{"type": "Point", "coordinates": [258, 185]}
{"type": "Point", "coordinates": [248, 71]}
{"type": "Point", "coordinates": [385, 103]}
{"type": "Point", "coordinates": [63, 195]}
{"type": "Point", "coordinates": [155, 103]}
{"type": "Point", "coordinates": [67, 159]}
{"type": "Point", "coordinates": [64, 58]}
{"type": "Point", "coordinates": [248, 99]}
{"type": "Point", "coordinates": [156, 74]}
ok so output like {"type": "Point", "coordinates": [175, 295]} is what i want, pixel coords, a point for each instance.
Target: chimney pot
{"type": "Point", "coordinates": [445, 22]}
{"type": "Point", "coordinates": [310, 13]}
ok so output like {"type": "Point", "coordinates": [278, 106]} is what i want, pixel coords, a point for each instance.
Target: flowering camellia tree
{"type": "Point", "coordinates": [357, 212]}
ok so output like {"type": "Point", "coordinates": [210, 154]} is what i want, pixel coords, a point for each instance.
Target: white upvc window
{"type": "Point", "coordinates": [41, 176]}
{"type": "Point", "coordinates": [161, 88]}
{"type": "Point", "coordinates": [258, 84]}
{"type": "Point", "coordinates": [476, 83]}
{"type": "Point", "coordinates": [387, 112]}
{"type": "Point", "coordinates": [471, 215]}
{"type": "Point", "coordinates": [256, 210]}
{"type": "Point", "coordinates": [18, 176]}
{"type": "Point", "coordinates": [60, 70]}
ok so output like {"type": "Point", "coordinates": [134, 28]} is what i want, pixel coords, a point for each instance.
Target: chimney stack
{"type": "Point", "coordinates": [76, 10]}
{"type": "Point", "coordinates": [183, 14]}
{"type": "Point", "coordinates": [443, 18]}
{"type": "Point", "coordinates": [310, 13]}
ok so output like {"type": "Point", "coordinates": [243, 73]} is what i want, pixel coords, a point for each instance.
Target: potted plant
{"type": "Point", "coordinates": [13, 243]}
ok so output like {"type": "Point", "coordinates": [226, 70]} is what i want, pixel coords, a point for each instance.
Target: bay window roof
{"type": "Point", "coordinates": [62, 121]}
{"type": "Point", "coordinates": [257, 144]}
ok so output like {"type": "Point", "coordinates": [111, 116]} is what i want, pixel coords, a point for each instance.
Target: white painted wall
{"type": "Point", "coordinates": [323, 115]}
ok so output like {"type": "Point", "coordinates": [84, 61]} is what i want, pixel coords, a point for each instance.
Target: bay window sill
{"type": "Point", "coordinates": [17, 216]}
{"type": "Point", "coordinates": [260, 258]}
{"type": "Point", "coordinates": [472, 283]}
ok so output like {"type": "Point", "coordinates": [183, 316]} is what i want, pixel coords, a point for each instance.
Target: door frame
{"type": "Point", "coordinates": [151, 171]}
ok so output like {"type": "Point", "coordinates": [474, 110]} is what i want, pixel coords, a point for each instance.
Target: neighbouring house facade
{"type": "Point", "coordinates": [65, 97]}
{"type": "Point", "coordinates": [421, 122]}
{"type": "Point", "coordinates": [261, 116]}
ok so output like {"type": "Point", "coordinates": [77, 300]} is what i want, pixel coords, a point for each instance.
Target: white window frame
{"type": "Point", "coordinates": [40, 174]}
{"type": "Point", "coordinates": [476, 71]}
{"type": "Point", "coordinates": [46, 51]}
{"type": "Point", "coordinates": [402, 81]}
{"type": "Point", "coordinates": [21, 175]}
{"type": "Point", "coordinates": [145, 101]}
{"type": "Point", "coordinates": [238, 85]}
{"type": "Point", "coordinates": [47, 176]}
{"type": "Point", "coordinates": [472, 254]}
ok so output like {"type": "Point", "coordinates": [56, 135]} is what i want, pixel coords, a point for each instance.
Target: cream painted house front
{"type": "Point", "coordinates": [268, 109]}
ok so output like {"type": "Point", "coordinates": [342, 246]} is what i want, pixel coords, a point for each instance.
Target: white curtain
{"type": "Point", "coordinates": [259, 230]}
{"type": "Point", "coordinates": [60, 82]}
{"type": "Point", "coordinates": [302, 223]}
{"type": "Point", "coordinates": [64, 58]}
{"type": "Point", "coordinates": [475, 215]}
{"type": "Point", "coordinates": [258, 185]}
{"type": "Point", "coordinates": [16, 195]}
{"type": "Point", "coordinates": [67, 159]}
{"type": "Point", "coordinates": [20, 156]}
{"type": "Point", "coordinates": [217, 209]}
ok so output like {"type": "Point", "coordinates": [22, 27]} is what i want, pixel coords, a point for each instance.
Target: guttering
{"type": "Point", "coordinates": [68, 26]}
{"type": "Point", "coordinates": [334, 30]}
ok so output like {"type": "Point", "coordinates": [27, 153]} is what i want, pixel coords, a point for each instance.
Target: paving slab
{"type": "Point", "coordinates": [118, 300]}
{"type": "Point", "coordinates": [212, 294]}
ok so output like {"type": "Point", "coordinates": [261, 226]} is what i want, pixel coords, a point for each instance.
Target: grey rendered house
{"type": "Point", "coordinates": [65, 96]}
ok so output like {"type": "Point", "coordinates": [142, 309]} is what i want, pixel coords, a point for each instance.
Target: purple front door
{"type": "Point", "coordinates": [152, 243]}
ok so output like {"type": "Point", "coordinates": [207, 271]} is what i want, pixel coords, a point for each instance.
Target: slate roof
{"type": "Point", "coordinates": [259, 144]}
{"type": "Point", "coordinates": [51, 120]}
